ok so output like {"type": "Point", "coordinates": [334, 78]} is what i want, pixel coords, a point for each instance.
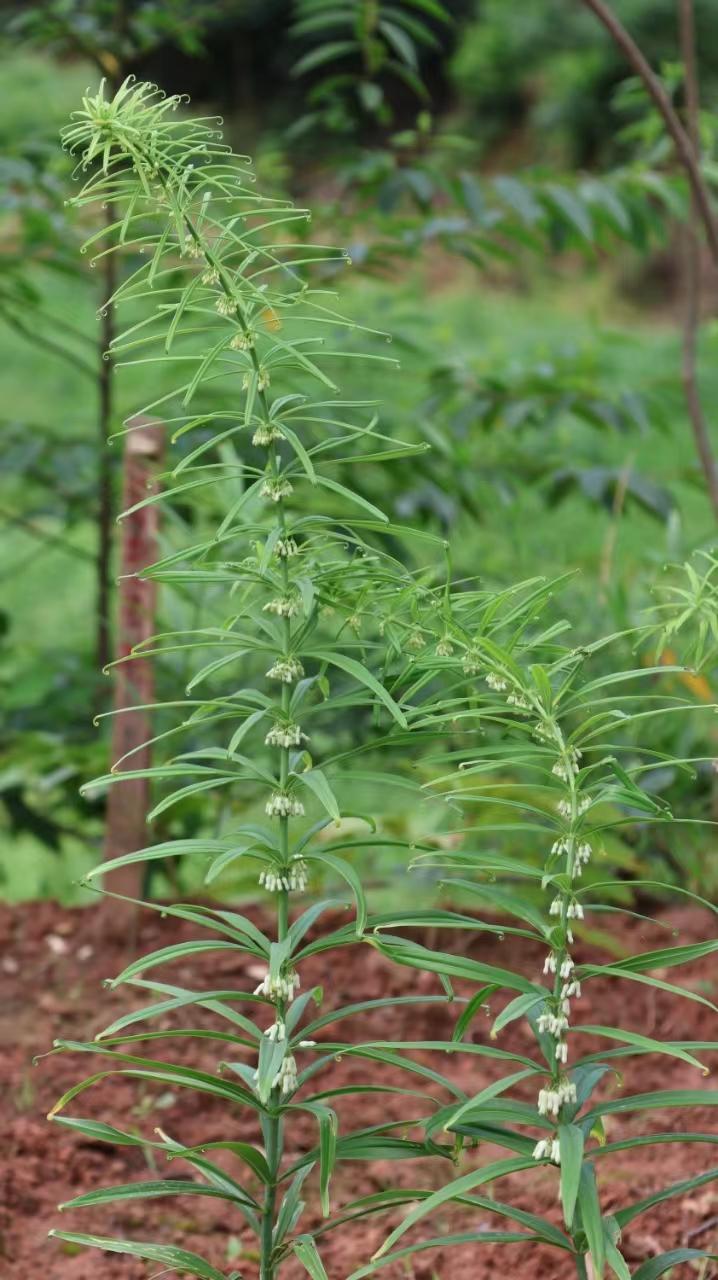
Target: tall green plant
{"type": "Point", "coordinates": [225, 305]}
{"type": "Point", "coordinates": [561, 757]}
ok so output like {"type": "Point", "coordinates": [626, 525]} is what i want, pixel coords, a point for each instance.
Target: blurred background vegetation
{"type": "Point", "coordinates": [514, 216]}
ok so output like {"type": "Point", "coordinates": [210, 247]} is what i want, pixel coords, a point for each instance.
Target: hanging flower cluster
{"type": "Point", "coordinates": [279, 987]}
{"type": "Point", "coordinates": [282, 805]}
{"type": "Point", "coordinates": [296, 878]}
{"type": "Point", "coordinates": [568, 855]}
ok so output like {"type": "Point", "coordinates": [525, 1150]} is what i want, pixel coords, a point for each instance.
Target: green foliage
{"type": "Point", "coordinates": [38, 232]}
{"type": "Point", "coordinates": [370, 42]}
{"type": "Point", "coordinates": [34, 103]}
{"type": "Point", "coordinates": [553, 68]}
{"type": "Point", "coordinates": [421, 191]}
{"type": "Point", "coordinates": [512, 428]}
{"type": "Point", "coordinates": [688, 608]}
{"type": "Point", "coordinates": [109, 33]}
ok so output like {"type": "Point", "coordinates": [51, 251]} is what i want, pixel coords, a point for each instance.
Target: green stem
{"type": "Point", "coordinates": [274, 1126]}
{"type": "Point", "coordinates": [581, 1269]}
{"type": "Point", "coordinates": [274, 1131]}
{"type": "Point", "coordinates": [273, 1154]}
{"type": "Point", "coordinates": [570, 859]}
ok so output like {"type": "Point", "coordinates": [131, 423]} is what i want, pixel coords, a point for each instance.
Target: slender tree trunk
{"type": "Point", "coordinates": [686, 154]}
{"type": "Point", "coordinates": [692, 279]}
{"type": "Point", "coordinates": [687, 145]}
{"type": "Point", "coordinates": [105, 495]}
{"type": "Point", "coordinates": [128, 802]}
{"type": "Point", "coordinates": [114, 72]}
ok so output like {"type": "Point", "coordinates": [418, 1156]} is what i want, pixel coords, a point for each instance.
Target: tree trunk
{"type": "Point", "coordinates": [105, 497]}
{"type": "Point", "coordinates": [128, 802]}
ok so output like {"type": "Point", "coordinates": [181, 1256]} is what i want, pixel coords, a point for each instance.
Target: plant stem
{"type": "Point", "coordinates": [273, 1129]}
{"type": "Point", "coordinates": [656, 91]}
{"type": "Point", "coordinates": [273, 1155]}
{"type": "Point", "coordinates": [581, 1269]}
{"type": "Point", "coordinates": [366, 23]}
{"type": "Point", "coordinates": [275, 1125]}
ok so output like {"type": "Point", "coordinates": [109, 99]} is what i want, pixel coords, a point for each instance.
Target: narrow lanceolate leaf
{"type": "Point", "coordinates": [616, 1261]}
{"type": "Point", "coordinates": [471, 1110]}
{"type": "Point", "coordinates": [517, 1008]}
{"type": "Point", "coordinates": [571, 1143]}
{"type": "Point", "coordinates": [392, 1055]}
{"type": "Point", "coordinates": [328, 1125]}
{"type": "Point", "coordinates": [248, 1154]}
{"type": "Point", "coordinates": [98, 1131]}
{"type": "Point", "coordinates": [540, 1227]}
{"type": "Point", "coordinates": [148, 1069]}
{"type": "Point", "coordinates": [645, 1044]}
{"type": "Point", "coordinates": [218, 1002]}
{"type": "Point", "coordinates": [364, 676]}
{"type": "Point", "coordinates": [301, 452]}
{"type": "Point", "coordinates": [151, 1191]}
{"type": "Point", "coordinates": [168, 1255]}
{"type": "Point", "coordinates": [444, 1242]}
{"type": "Point", "coordinates": [316, 781]}
{"type": "Point", "coordinates": [334, 485]}
{"type": "Point", "coordinates": [475, 1005]}
{"type": "Point", "coordinates": [455, 966]}
{"type": "Point", "coordinates": [658, 1098]}
{"type": "Point", "coordinates": [454, 1190]}
{"type": "Point", "coordinates": [591, 1219]}
{"type": "Point", "coordinates": [655, 1139]}
{"type": "Point", "coordinates": [656, 1267]}
{"type": "Point", "coordinates": [612, 971]}
{"type": "Point", "coordinates": [166, 849]}
{"type": "Point", "coordinates": [624, 1216]}
{"type": "Point", "coordinates": [666, 957]}
{"type": "Point", "coordinates": [178, 951]}
{"type": "Point", "coordinates": [346, 871]}
{"type": "Point", "coordinates": [291, 1206]}
{"type": "Point", "coordinates": [308, 1254]}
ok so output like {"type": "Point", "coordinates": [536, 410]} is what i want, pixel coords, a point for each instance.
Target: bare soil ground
{"type": "Point", "coordinates": [52, 963]}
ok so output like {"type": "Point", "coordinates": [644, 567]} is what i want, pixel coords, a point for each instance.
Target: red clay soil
{"type": "Point", "coordinates": [52, 962]}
